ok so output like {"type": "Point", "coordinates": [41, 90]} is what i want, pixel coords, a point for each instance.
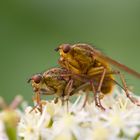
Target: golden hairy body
{"type": "Point", "coordinates": [82, 68]}
{"type": "Point", "coordinates": [61, 83]}
{"type": "Point", "coordinates": [89, 63]}
{"type": "Point", "coordinates": [79, 60]}
{"type": "Point", "coordinates": [56, 81]}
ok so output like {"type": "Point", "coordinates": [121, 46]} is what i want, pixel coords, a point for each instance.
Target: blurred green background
{"type": "Point", "coordinates": [31, 29]}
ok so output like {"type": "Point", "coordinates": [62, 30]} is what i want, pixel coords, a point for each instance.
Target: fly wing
{"type": "Point", "coordinates": [113, 62]}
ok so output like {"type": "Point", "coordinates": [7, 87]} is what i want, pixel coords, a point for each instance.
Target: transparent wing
{"type": "Point", "coordinates": [113, 62]}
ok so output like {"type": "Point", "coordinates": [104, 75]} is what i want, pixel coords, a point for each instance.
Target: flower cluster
{"type": "Point", "coordinates": [120, 120]}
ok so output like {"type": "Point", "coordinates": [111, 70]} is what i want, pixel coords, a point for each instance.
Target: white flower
{"type": "Point", "coordinates": [120, 120]}
{"type": "Point", "coordinates": [32, 124]}
{"type": "Point", "coordinates": [3, 135]}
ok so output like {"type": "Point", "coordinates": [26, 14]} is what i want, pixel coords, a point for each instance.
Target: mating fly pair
{"type": "Point", "coordinates": [82, 68]}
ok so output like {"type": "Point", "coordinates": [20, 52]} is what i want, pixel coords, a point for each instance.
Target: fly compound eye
{"type": "Point", "coordinates": [66, 48]}
{"type": "Point", "coordinates": [37, 78]}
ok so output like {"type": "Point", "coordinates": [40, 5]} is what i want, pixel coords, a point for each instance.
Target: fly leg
{"type": "Point", "coordinates": [68, 91]}
{"type": "Point", "coordinates": [94, 71]}
{"type": "Point", "coordinates": [38, 102]}
{"type": "Point", "coordinates": [37, 97]}
{"type": "Point", "coordinates": [97, 93]}
{"type": "Point", "coordinates": [81, 87]}
{"type": "Point", "coordinates": [86, 99]}
{"type": "Point", "coordinates": [124, 87]}
{"type": "Point", "coordinates": [94, 91]}
{"type": "Point", "coordinates": [131, 98]}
